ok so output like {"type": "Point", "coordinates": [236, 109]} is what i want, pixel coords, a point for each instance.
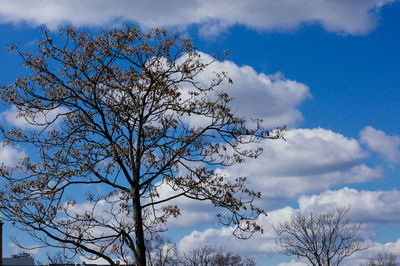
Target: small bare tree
{"type": "Point", "coordinates": [230, 259]}
{"type": "Point", "coordinates": [213, 256]}
{"type": "Point", "coordinates": [382, 259]}
{"type": "Point", "coordinates": [323, 239]}
{"type": "Point", "coordinates": [59, 258]}
{"type": "Point", "coordinates": [202, 256]}
{"type": "Point", "coordinates": [161, 253]}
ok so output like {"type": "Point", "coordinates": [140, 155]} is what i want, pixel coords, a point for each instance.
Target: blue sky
{"type": "Point", "coordinates": [330, 70]}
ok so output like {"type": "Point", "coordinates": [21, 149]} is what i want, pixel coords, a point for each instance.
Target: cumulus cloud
{"type": "Point", "coordinates": [89, 261]}
{"type": "Point", "coordinates": [375, 250]}
{"type": "Point", "coordinates": [9, 155]}
{"type": "Point", "coordinates": [12, 118]}
{"type": "Point", "coordinates": [272, 98]}
{"type": "Point", "coordinates": [366, 206]}
{"type": "Point", "coordinates": [193, 213]}
{"type": "Point", "coordinates": [369, 207]}
{"type": "Point", "coordinates": [310, 160]}
{"type": "Point", "coordinates": [306, 152]}
{"type": "Point", "coordinates": [361, 257]}
{"type": "Point", "coordinates": [346, 17]}
{"type": "Point", "coordinates": [379, 141]}
{"type": "Point", "coordinates": [259, 245]}
{"type": "Point", "coordinates": [277, 191]}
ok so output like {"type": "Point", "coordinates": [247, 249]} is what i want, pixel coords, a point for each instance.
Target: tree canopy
{"type": "Point", "coordinates": [123, 110]}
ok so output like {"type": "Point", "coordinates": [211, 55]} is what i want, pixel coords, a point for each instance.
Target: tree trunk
{"type": "Point", "coordinates": [140, 256]}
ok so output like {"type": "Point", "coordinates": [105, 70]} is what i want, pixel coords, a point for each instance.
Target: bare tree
{"type": "Point", "coordinates": [21, 255]}
{"type": "Point", "coordinates": [213, 256]}
{"type": "Point", "coordinates": [230, 259]}
{"type": "Point", "coordinates": [58, 258]}
{"type": "Point", "coordinates": [323, 239]}
{"type": "Point", "coordinates": [161, 253]}
{"type": "Point", "coordinates": [202, 256]}
{"type": "Point", "coordinates": [382, 259]}
{"type": "Point", "coordinates": [116, 109]}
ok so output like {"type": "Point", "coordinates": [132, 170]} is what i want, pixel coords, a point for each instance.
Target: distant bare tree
{"type": "Point", "coordinates": [21, 255]}
{"type": "Point", "coordinates": [323, 239]}
{"type": "Point", "coordinates": [202, 256]}
{"type": "Point", "coordinates": [230, 259]}
{"type": "Point", "coordinates": [382, 259]}
{"type": "Point", "coordinates": [161, 253]}
{"type": "Point", "coordinates": [213, 256]}
{"type": "Point", "coordinates": [58, 258]}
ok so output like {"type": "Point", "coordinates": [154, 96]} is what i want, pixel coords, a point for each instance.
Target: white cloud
{"type": "Point", "coordinates": [15, 249]}
{"type": "Point", "coordinates": [276, 191]}
{"type": "Point", "coordinates": [377, 248]}
{"type": "Point", "coordinates": [361, 257]}
{"type": "Point", "coordinates": [292, 263]}
{"type": "Point", "coordinates": [263, 246]}
{"type": "Point", "coordinates": [9, 155]}
{"type": "Point", "coordinates": [11, 117]}
{"type": "Point", "coordinates": [260, 245]}
{"type": "Point", "coordinates": [193, 212]}
{"type": "Point", "coordinates": [369, 207]}
{"type": "Point", "coordinates": [310, 160]}
{"type": "Point", "coordinates": [272, 98]}
{"type": "Point", "coordinates": [379, 141]}
{"type": "Point", "coordinates": [99, 261]}
{"type": "Point", "coordinates": [348, 17]}
{"type": "Point", "coordinates": [306, 152]}
{"type": "Point", "coordinates": [366, 206]}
